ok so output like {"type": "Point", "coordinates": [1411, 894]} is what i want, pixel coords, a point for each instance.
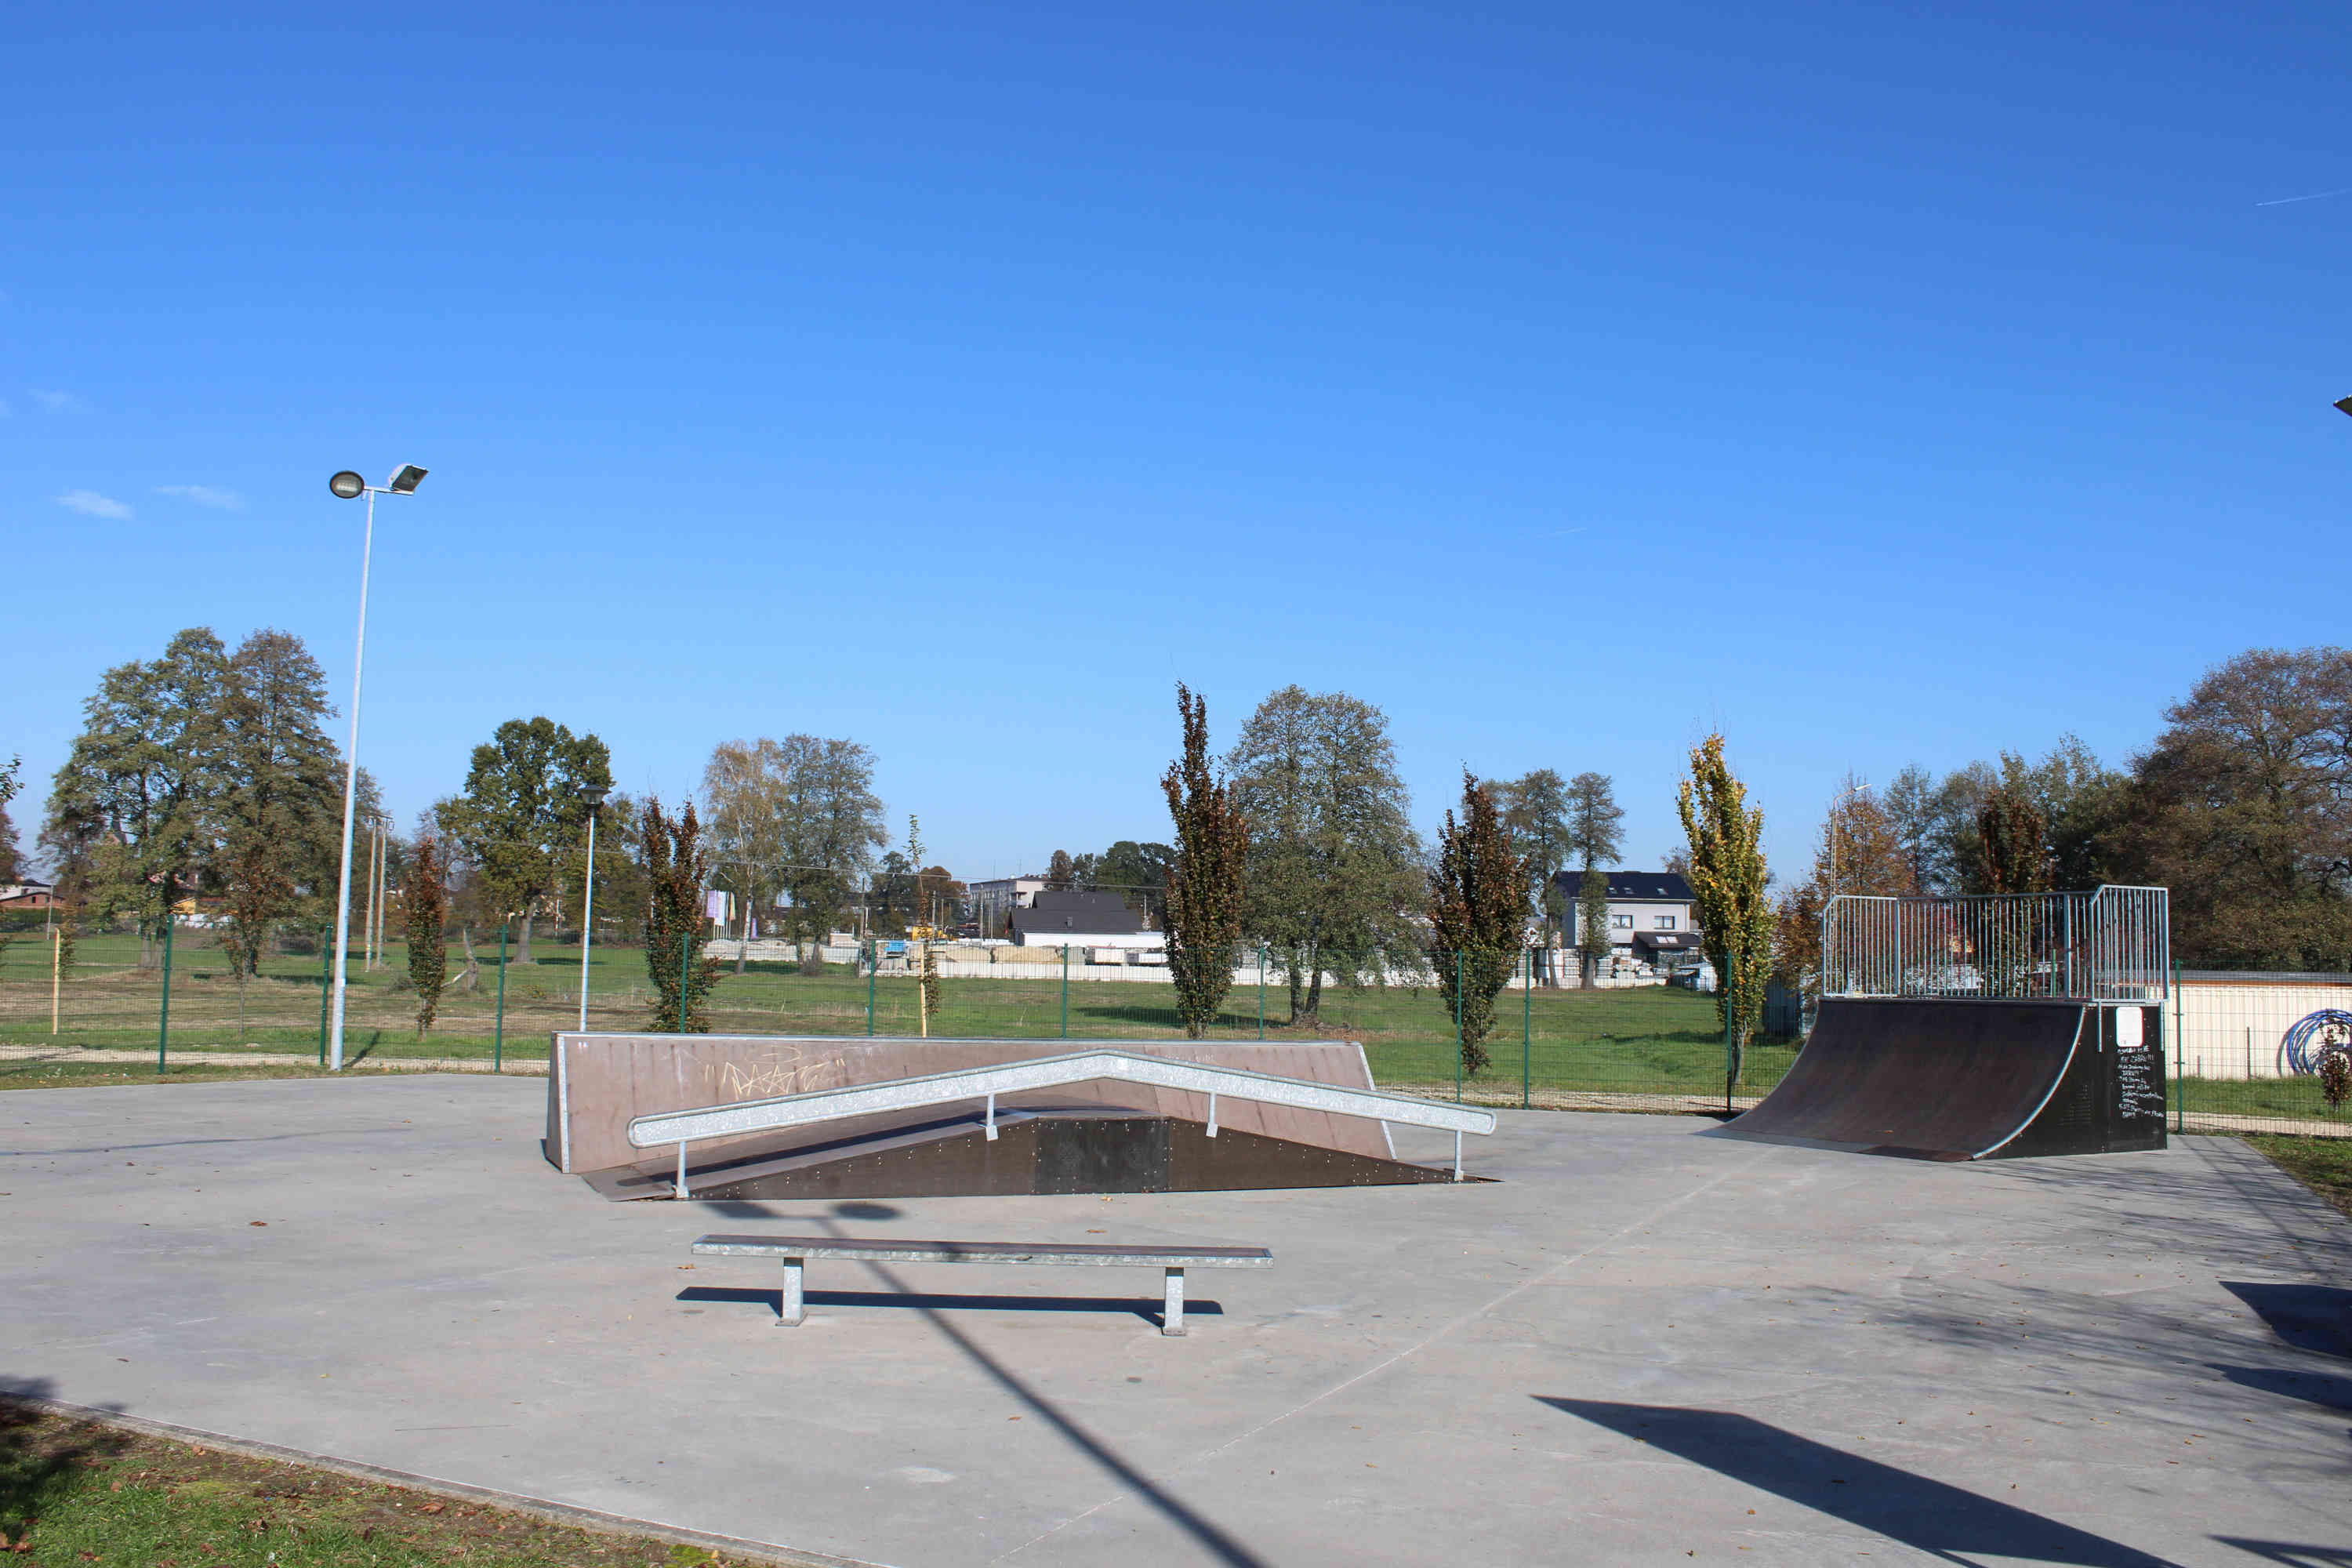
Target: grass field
{"type": "Point", "coordinates": [1655, 1041]}
{"type": "Point", "coordinates": [74, 1491]}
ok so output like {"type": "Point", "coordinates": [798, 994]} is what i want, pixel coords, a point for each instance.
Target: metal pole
{"type": "Point", "coordinates": [498, 1036]}
{"type": "Point", "coordinates": [351, 802]}
{"type": "Point", "coordinates": [56, 972]}
{"type": "Point", "coordinates": [1261, 991]}
{"type": "Point", "coordinates": [685, 968]}
{"type": "Point", "coordinates": [1528, 1033]}
{"type": "Point", "coordinates": [2179, 1057]}
{"type": "Point", "coordinates": [587, 917]}
{"type": "Point", "coordinates": [326, 991]}
{"type": "Point", "coordinates": [1730, 1022]}
{"type": "Point", "coordinates": [1065, 991]}
{"type": "Point", "coordinates": [1457, 1028]}
{"type": "Point", "coordinates": [163, 1024]}
{"type": "Point", "coordinates": [873, 966]}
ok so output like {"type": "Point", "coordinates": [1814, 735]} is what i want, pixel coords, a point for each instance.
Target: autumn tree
{"type": "Point", "coordinates": [1478, 910]}
{"type": "Point", "coordinates": [797, 818]}
{"type": "Point", "coordinates": [425, 900]}
{"type": "Point", "coordinates": [1863, 847]}
{"type": "Point", "coordinates": [1334, 867]}
{"type": "Point", "coordinates": [2012, 856]}
{"type": "Point", "coordinates": [1592, 937]}
{"type": "Point", "coordinates": [521, 815]}
{"type": "Point", "coordinates": [1205, 882]}
{"type": "Point", "coordinates": [1727, 876]}
{"type": "Point", "coordinates": [276, 800]}
{"type": "Point", "coordinates": [678, 870]}
{"type": "Point", "coordinates": [1060, 872]}
{"type": "Point", "coordinates": [11, 857]}
{"type": "Point", "coordinates": [1535, 811]}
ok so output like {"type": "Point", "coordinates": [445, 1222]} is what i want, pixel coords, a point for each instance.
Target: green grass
{"type": "Point", "coordinates": [1654, 1040]}
{"type": "Point", "coordinates": [103, 1075]}
{"type": "Point", "coordinates": [74, 1491]}
{"type": "Point", "coordinates": [2297, 1099]}
{"type": "Point", "coordinates": [2323, 1164]}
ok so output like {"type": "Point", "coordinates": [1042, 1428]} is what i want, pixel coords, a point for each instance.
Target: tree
{"type": "Point", "coordinates": [797, 818]}
{"type": "Point", "coordinates": [678, 870]}
{"type": "Point", "coordinates": [1536, 814]}
{"type": "Point", "coordinates": [522, 812]}
{"type": "Point", "coordinates": [1060, 872]}
{"type": "Point", "coordinates": [131, 808]}
{"type": "Point", "coordinates": [2011, 855]}
{"type": "Point", "coordinates": [1206, 885]}
{"type": "Point", "coordinates": [425, 900]}
{"type": "Point", "coordinates": [1728, 878]}
{"type": "Point", "coordinates": [1596, 822]}
{"type": "Point", "coordinates": [1592, 925]}
{"type": "Point", "coordinates": [1336, 868]}
{"type": "Point", "coordinates": [11, 859]}
{"type": "Point", "coordinates": [277, 803]}
{"type": "Point", "coordinates": [1138, 872]}
{"type": "Point", "coordinates": [1864, 848]}
{"type": "Point", "coordinates": [1477, 916]}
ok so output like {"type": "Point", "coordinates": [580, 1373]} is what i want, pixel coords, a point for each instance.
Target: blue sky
{"type": "Point", "coordinates": [1874, 384]}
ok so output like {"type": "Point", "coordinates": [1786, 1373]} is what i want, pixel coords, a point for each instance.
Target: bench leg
{"type": "Point", "coordinates": [1172, 1313]}
{"type": "Point", "coordinates": [794, 1309]}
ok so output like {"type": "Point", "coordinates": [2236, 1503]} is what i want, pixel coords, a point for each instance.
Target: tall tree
{"type": "Point", "coordinates": [1138, 872]}
{"type": "Point", "coordinates": [1060, 872]}
{"type": "Point", "coordinates": [1538, 815]}
{"type": "Point", "coordinates": [1592, 941]}
{"type": "Point", "coordinates": [1205, 883]}
{"type": "Point", "coordinates": [1728, 878]}
{"type": "Point", "coordinates": [1477, 916]}
{"type": "Point", "coordinates": [2012, 856]}
{"type": "Point", "coordinates": [521, 811]}
{"type": "Point", "coordinates": [11, 857]}
{"type": "Point", "coordinates": [1865, 848]}
{"type": "Point", "coordinates": [1596, 822]}
{"type": "Point", "coordinates": [276, 802]}
{"type": "Point", "coordinates": [679, 871]}
{"type": "Point", "coordinates": [133, 810]}
{"type": "Point", "coordinates": [1336, 869]}
{"type": "Point", "coordinates": [424, 903]}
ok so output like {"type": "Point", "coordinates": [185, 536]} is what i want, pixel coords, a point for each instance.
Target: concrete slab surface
{"type": "Point", "coordinates": [1642, 1343]}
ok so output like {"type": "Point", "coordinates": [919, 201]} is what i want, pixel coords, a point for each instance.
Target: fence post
{"type": "Point", "coordinates": [1730, 1051]}
{"type": "Point", "coordinates": [326, 989]}
{"type": "Point", "coordinates": [2179, 1063]}
{"type": "Point", "coordinates": [1065, 991]}
{"type": "Point", "coordinates": [498, 1036]}
{"type": "Point", "coordinates": [1261, 991]}
{"type": "Point", "coordinates": [1528, 1034]}
{"type": "Point", "coordinates": [1457, 1028]}
{"type": "Point", "coordinates": [163, 1024]}
{"type": "Point", "coordinates": [685, 971]}
{"type": "Point", "coordinates": [872, 966]}
{"type": "Point", "coordinates": [56, 972]}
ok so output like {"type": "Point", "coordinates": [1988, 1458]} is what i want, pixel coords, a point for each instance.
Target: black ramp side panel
{"type": "Point", "coordinates": [1938, 1080]}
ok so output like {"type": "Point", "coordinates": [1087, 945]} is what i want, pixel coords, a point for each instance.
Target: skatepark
{"type": "Point", "coordinates": [1639, 1339]}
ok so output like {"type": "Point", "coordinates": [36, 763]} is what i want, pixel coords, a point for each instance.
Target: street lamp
{"type": "Point", "coordinates": [349, 486]}
{"type": "Point", "coordinates": [592, 795]}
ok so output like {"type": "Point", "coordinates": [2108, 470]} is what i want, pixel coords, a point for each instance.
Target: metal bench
{"type": "Point", "coordinates": [797, 1250]}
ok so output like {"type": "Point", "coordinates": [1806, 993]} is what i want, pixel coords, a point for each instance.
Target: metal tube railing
{"type": "Point", "coordinates": [2113, 945]}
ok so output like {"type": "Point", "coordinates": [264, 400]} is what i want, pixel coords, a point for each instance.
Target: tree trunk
{"type": "Point", "coordinates": [472, 979]}
{"type": "Point", "coordinates": [1315, 984]}
{"type": "Point", "coordinates": [1291, 964]}
{"type": "Point", "coordinates": [743, 935]}
{"type": "Point", "coordinates": [522, 952]}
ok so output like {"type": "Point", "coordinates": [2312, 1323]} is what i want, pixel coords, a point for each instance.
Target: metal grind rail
{"type": "Point", "coordinates": [985, 1084]}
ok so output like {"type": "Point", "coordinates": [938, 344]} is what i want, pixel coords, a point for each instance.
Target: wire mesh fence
{"type": "Point", "coordinates": [2250, 1049]}
{"type": "Point", "coordinates": [1649, 1047]}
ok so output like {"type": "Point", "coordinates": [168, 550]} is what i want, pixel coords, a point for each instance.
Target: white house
{"type": "Point", "coordinates": [1652, 916]}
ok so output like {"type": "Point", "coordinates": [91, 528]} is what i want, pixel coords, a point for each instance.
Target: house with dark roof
{"type": "Point", "coordinates": [1059, 918]}
{"type": "Point", "coordinates": [1652, 915]}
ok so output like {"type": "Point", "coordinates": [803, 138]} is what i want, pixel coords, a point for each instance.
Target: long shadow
{"type": "Point", "coordinates": [1928, 1515]}
{"type": "Point", "coordinates": [1219, 1545]}
{"type": "Point", "coordinates": [1148, 1311]}
{"type": "Point", "coordinates": [2308, 1316]}
{"type": "Point", "coordinates": [2291, 1552]}
{"type": "Point", "coordinates": [2321, 1388]}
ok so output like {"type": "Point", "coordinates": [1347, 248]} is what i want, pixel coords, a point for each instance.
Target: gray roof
{"type": "Point", "coordinates": [1057, 915]}
{"type": "Point", "coordinates": [1663, 887]}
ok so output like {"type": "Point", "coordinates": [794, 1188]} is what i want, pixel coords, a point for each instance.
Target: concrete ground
{"type": "Point", "coordinates": [1642, 1343]}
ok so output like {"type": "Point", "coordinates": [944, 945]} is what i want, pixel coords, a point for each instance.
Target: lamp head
{"type": "Point", "coordinates": [404, 482]}
{"type": "Point", "coordinates": [348, 485]}
{"type": "Point", "coordinates": [592, 795]}
{"type": "Point", "coordinates": [2345, 404]}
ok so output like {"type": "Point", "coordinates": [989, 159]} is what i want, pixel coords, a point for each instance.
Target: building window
{"type": "Point", "coordinates": [1621, 922]}
{"type": "Point", "coordinates": [1665, 922]}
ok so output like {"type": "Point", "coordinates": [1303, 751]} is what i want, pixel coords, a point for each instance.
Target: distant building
{"type": "Point", "coordinates": [1081, 920]}
{"type": "Point", "coordinates": [993, 902]}
{"type": "Point", "coordinates": [1652, 916]}
{"type": "Point", "coordinates": [28, 895]}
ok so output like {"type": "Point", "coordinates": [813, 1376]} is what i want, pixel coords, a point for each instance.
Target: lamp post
{"type": "Point", "coordinates": [349, 486]}
{"type": "Point", "coordinates": [592, 795]}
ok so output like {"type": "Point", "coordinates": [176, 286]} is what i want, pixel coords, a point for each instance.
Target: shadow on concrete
{"type": "Point", "coordinates": [2292, 1552]}
{"type": "Point", "coordinates": [2308, 1316]}
{"type": "Point", "coordinates": [2321, 1388]}
{"type": "Point", "coordinates": [1147, 1310]}
{"type": "Point", "coordinates": [1924, 1514]}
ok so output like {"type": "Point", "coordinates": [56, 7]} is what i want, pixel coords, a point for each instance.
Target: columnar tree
{"type": "Point", "coordinates": [1727, 876]}
{"type": "Point", "coordinates": [1478, 910]}
{"type": "Point", "coordinates": [1206, 881]}
{"type": "Point", "coordinates": [425, 899]}
{"type": "Point", "coordinates": [1335, 865]}
{"type": "Point", "coordinates": [678, 871]}
{"type": "Point", "coordinates": [1592, 925]}
{"type": "Point", "coordinates": [520, 816]}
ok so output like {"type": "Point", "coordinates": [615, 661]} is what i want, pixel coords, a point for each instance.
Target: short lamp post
{"type": "Point", "coordinates": [592, 795]}
{"type": "Point", "coordinates": [349, 486]}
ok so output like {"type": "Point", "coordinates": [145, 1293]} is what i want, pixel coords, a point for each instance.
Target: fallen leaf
{"type": "Point", "coordinates": [432, 1508]}
{"type": "Point", "coordinates": [258, 1222]}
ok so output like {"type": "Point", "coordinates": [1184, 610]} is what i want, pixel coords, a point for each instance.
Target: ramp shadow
{"type": "Point", "coordinates": [1148, 1311]}
{"type": "Point", "coordinates": [2308, 1316]}
{"type": "Point", "coordinates": [2322, 1388]}
{"type": "Point", "coordinates": [2293, 1553]}
{"type": "Point", "coordinates": [1924, 1514]}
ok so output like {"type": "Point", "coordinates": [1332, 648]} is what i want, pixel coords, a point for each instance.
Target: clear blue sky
{"type": "Point", "coordinates": [1874, 384]}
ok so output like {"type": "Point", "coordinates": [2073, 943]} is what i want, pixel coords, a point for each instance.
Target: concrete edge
{"type": "Point", "coordinates": [514, 1502]}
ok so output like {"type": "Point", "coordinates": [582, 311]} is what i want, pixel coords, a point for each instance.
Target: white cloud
{"type": "Point", "coordinates": [89, 504]}
{"type": "Point", "coordinates": [58, 402]}
{"type": "Point", "coordinates": [204, 495]}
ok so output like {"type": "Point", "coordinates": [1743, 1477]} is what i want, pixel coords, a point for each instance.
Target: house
{"type": "Point", "coordinates": [1054, 919]}
{"type": "Point", "coordinates": [992, 901]}
{"type": "Point", "coordinates": [28, 895]}
{"type": "Point", "coordinates": [1652, 916]}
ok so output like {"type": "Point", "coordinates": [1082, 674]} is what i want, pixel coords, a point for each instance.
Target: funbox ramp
{"type": "Point", "coordinates": [1960, 1080]}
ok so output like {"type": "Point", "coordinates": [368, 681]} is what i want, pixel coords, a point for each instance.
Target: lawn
{"type": "Point", "coordinates": [1654, 1040]}
{"type": "Point", "coordinates": [74, 1491]}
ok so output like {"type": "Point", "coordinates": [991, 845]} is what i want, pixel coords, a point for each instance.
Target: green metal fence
{"type": "Point", "coordinates": [2248, 1048]}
